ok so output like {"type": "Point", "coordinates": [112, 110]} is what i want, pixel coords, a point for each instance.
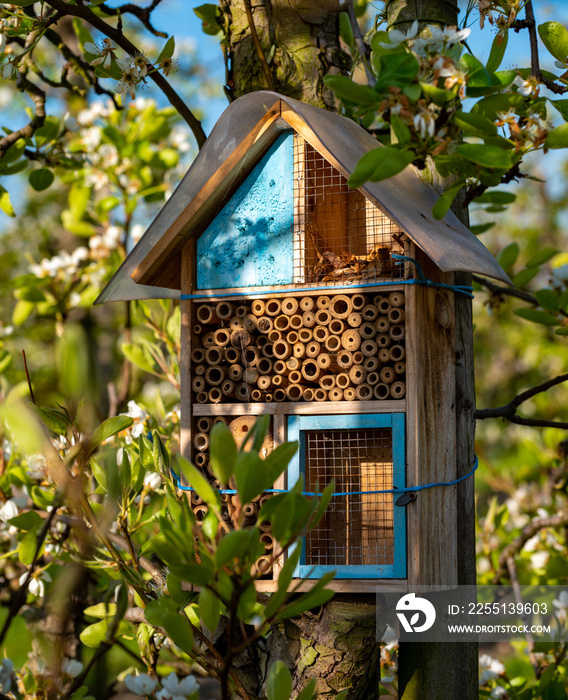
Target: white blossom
{"type": "Point", "coordinates": [104, 54]}
{"type": "Point", "coordinates": [174, 689]}
{"type": "Point", "coordinates": [561, 605]}
{"type": "Point", "coordinates": [524, 87]}
{"type": "Point", "coordinates": [425, 123]}
{"type": "Point", "coordinates": [490, 668]}
{"type": "Point", "coordinates": [397, 37]}
{"type": "Point", "coordinates": [71, 667]}
{"type": "Point", "coordinates": [141, 685]}
{"type": "Point", "coordinates": [36, 584]}
{"type": "Point", "coordinates": [136, 233]}
{"type": "Point", "coordinates": [539, 560]}
{"type": "Point", "coordinates": [36, 466]}
{"type": "Point", "coordinates": [152, 480]}
{"type": "Point", "coordinates": [499, 692]}
{"type": "Point", "coordinates": [8, 510]}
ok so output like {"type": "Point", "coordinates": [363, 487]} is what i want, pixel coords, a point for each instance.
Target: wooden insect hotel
{"type": "Point", "coordinates": [331, 310]}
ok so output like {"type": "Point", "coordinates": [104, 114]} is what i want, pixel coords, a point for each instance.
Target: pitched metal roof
{"type": "Point", "coordinates": [243, 133]}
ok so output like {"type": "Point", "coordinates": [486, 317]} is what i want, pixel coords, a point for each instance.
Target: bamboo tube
{"type": "Point", "coordinates": [274, 336]}
{"type": "Point", "coordinates": [367, 331]}
{"type": "Point", "coordinates": [250, 323]}
{"type": "Point", "coordinates": [322, 302]}
{"type": "Point", "coordinates": [308, 319]}
{"type": "Point", "coordinates": [201, 397]}
{"type": "Point", "coordinates": [387, 375]}
{"type": "Point", "coordinates": [336, 326]}
{"type": "Point", "coordinates": [225, 512]}
{"type": "Point", "coordinates": [198, 384]}
{"type": "Point", "coordinates": [222, 337]}
{"type": "Point", "coordinates": [295, 377]}
{"type": "Point", "coordinates": [307, 303]}
{"type": "Point", "coordinates": [241, 311]}
{"type": "Point", "coordinates": [264, 382]}
{"type": "Point", "coordinates": [235, 373]}
{"type": "Point", "coordinates": [396, 315]}
{"type": "Point", "coordinates": [208, 340]}
{"type": "Point", "coordinates": [299, 350]}
{"type": "Point", "coordinates": [256, 395]}
{"type": "Point", "coordinates": [228, 387]}
{"type": "Point", "coordinates": [224, 310]}
{"type": "Point", "coordinates": [357, 374]}
{"type": "Point", "coordinates": [220, 419]}
{"type": "Point", "coordinates": [258, 307]}
{"type": "Point", "coordinates": [382, 304]}
{"type": "Point", "coordinates": [397, 352]}
{"type": "Point", "coordinates": [250, 375]}
{"type": "Point", "coordinates": [215, 375]}
{"type": "Point", "coordinates": [214, 355]}
{"type": "Point", "coordinates": [327, 381]}
{"type": "Point", "coordinates": [342, 380]}
{"type": "Point", "coordinates": [323, 360]}
{"type": "Point", "coordinates": [236, 323]}
{"type": "Point", "coordinates": [358, 358]}
{"type": "Point", "coordinates": [279, 395]}
{"type": "Point", "coordinates": [321, 334]}
{"type": "Point", "coordinates": [265, 365]}
{"type": "Point", "coordinates": [400, 367]}
{"type": "Point", "coordinates": [199, 370]}
{"type": "Point", "coordinates": [296, 322]}
{"type": "Point", "coordinates": [240, 338]}
{"type": "Point", "coordinates": [214, 395]}
{"type": "Point", "coordinates": [201, 460]}
{"type": "Point", "coordinates": [204, 313]}
{"type": "Point", "coordinates": [243, 391]}
{"type": "Point", "coordinates": [335, 394]}
{"type": "Point", "coordinates": [383, 340]}
{"type": "Point", "coordinates": [371, 364]}
{"type": "Point", "coordinates": [340, 306]}
{"type": "Point", "coordinates": [268, 350]}
{"type": "Point", "coordinates": [261, 341]}
{"type": "Point", "coordinates": [198, 355]}
{"type": "Point", "coordinates": [292, 337]}
{"type": "Point", "coordinates": [323, 317]}
{"type": "Point", "coordinates": [384, 355]}
{"type": "Point", "coordinates": [273, 307]}
{"type": "Point", "coordinates": [372, 378]}
{"type": "Point", "coordinates": [310, 371]}
{"type": "Point", "coordinates": [369, 348]}
{"type": "Point", "coordinates": [268, 397]}
{"type": "Point", "coordinates": [201, 441]}
{"type": "Point", "coordinates": [397, 332]}
{"type": "Point", "coordinates": [250, 510]}
{"type": "Point", "coordinates": [369, 313]}
{"type": "Point", "coordinates": [200, 513]}
{"type": "Point", "coordinates": [382, 324]}
{"type": "Point", "coordinates": [333, 344]}
{"type": "Point", "coordinates": [294, 392]}
{"type": "Point", "coordinates": [204, 424]}
{"type": "Point", "coordinates": [196, 500]}
{"type": "Point", "coordinates": [280, 380]}
{"type": "Point", "coordinates": [305, 335]}
{"type": "Point", "coordinates": [197, 329]}
{"type": "Point", "coordinates": [251, 356]}
{"type": "Point", "coordinates": [320, 394]}
{"type": "Point", "coordinates": [381, 391]}
{"type": "Point", "coordinates": [354, 319]}
{"type": "Point", "coordinates": [262, 567]}
{"type": "Point", "coordinates": [398, 390]}
{"type": "Point", "coordinates": [281, 350]}
{"type": "Point", "coordinates": [396, 299]}
{"type": "Point", "coordinates": [349, 394]}
{"type": "Point", "coordinates": [345, 359]}
{"type": "Point", "coordinates": [282, 322]}
{"type": "Point", "coordinates": [293, 363]}
{"type": "Point", "coordinates": [279, 367]}
{"type": "Point", "coordinates": [313, 349]}
{"type": "Point", "coordinates": [359, 301]}
{"type": "Point", "coordinates": [232, 355]}
{"type": "Point", "coordinates": [350, 339]}
{"type": "Point", "coordinates": [267, 540]}
{"type": "Point", "coordinates": [289, 306]}
{"type": "Point", "coordinates": [264, 324]}
{"type": "Point", "coordinates": [308, 394]}
{"type": "Point", "coordinates": [364, 392]}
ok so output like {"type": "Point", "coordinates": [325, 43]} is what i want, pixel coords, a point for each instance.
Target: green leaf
{"type": "Point", "coordinates": [380, 164]}
{"type": "Point", "coordinates": [284, 580]}
{"type": "Point", "coordinates": [562, 107]}
{"type": "Point", "coordinates": [234, 545]}
{"type": "Point", "coordinates": [401, 130]}
{"type": "Point", "coordinates": [94, 635]}
{"type": "Point", "coordinates": [27, 548]}
{"type": "Point", "coordinates": [222, 452]}
{"type": "Point", "coordinates": [41, 179]}
{"type": "Point", "coordinates": [525, 276]}
{"type": "Point", "coordinates": [555, 37]}
{"type": "Point", "coordinates": [48, 131]}
{"type": "Point", "coordinates": [475, 124]}
{"type": "Point", "coordinates": [198, 574]}
{"type": "Point", "coordinates": [5, 361]}
{"type": "Point", "coordinates": [396, 69]}
{"type": "Point", "coordinates": [168, 50]}
{"type": "Point", "coordinates": [30, 520]}
{"type": "Point", "coordinates": [541, 257]}
{"type": "Point", "coordinates": [549, 300]}
{"type": "Point", "coordinates": [101, 610]}
{"type": "Point", "coordinates": [508, 255]}
{"type": "Point", "coordinates": [209, 608]}
{"type": "Point", "coordinates": [22, 311]}
{"type": "Point", "coordinates": [197, 481]}
{"type": "Point", "coordinates": [317, 596]}
{"type": "Point", "coordinates": [498, 48]}
{"type": "Point", "coordinates": [561, 331]}
{"type": "Point", "coordinates": [486, 156]}
{"type": "Point", "coordinates": [558, 137]}
{"type": "Point", "coordinates": [309, 691]}
{"type": "Point", "coordinates": [537, 316]}
{"type": "Point", "coordinates": [346, 89]}
{"type": "Point", "coordinates": [136, 355]}
{"type": "Point", "coordinates": [437, 95]}
{"type": "Point", "coordinates": [162, 613]}
{"type": "Point", "coordinates": [247, 606]}
{"type": "Point", "coordinates": [108, 428]}
{"type": "Point", "coordinates": [160, 454]}
{"type": "Point", "coordinates": [146, 451]}
{"type": "Point", "coordinates": [497, 197]}
{"type": "Point", "coordinates": [51, 418]}
{"type": "Point", "coordinates": [440, 209]}
{"type": "Point", "coordinates": [279, 683]}
{"type": "Point", "coordinates": [5, 203]}
{"type": "Point", "coordinates": [208, 14]}
{"type": "Point", "coordinates": [481, 228]}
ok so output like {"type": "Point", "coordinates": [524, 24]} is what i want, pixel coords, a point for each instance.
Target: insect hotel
{"type": "Point", "coordinates": [332, 310]}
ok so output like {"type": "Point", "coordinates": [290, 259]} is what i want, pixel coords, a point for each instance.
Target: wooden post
{"type": "Point", "coordinates": [186, 307]}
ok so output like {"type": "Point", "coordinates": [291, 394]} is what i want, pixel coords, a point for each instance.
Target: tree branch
{"type": "Point", "coordinates": [531, 26]}
{"type": "Point", "coordinates": [257, 45]}
{"type": "Point", "coordinates": [362, 47]}
{"type": "Point", "coordinates": [38, 97]}
{"type": "Point", "coordinates": [141, 13]}
{"type": "Point", "coordinates": [509, 410]}
{"type": "Point", "coordinates": [120, 40]}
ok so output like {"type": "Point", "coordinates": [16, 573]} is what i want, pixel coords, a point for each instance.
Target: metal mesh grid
{"type": "Point", "coordinates": [356, 530]}
{"type": "Point", "coordinates": [339, 235]}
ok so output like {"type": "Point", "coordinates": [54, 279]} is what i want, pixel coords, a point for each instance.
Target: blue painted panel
{"type": "Point", "coordinates": [297, 425]}
{"type": "Point", "coordinates": [249, 243]}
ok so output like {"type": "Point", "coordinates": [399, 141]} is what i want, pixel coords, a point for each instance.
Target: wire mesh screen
{"type": "Point", "coordinates": [358, 529]}
{"type": "Point", "coordinates": [340, 236]}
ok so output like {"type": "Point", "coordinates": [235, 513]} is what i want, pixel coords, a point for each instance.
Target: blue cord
{"type": "Point", "coordinates": [409, 489]}
{"type": "Point", "coordinates": [399, 259]}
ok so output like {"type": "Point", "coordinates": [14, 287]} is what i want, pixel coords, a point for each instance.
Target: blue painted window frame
{"type": "Point", "coordinates": [297, 425]}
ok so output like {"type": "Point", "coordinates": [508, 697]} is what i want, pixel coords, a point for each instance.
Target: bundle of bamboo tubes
{"type": "Point", "coordinates": [342, 347]}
